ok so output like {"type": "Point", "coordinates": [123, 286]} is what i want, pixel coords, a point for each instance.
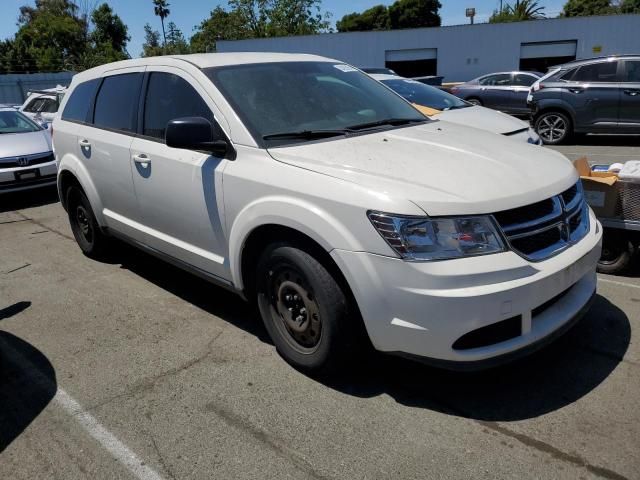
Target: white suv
{"type": "Point", "coordinates": [303, 184]}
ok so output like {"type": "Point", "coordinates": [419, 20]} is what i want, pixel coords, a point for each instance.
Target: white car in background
{"type": "Point", "coordinates": [41, 106]}
{"type": "Point", "coordinates": [434, 102]}
{"type": "Point", "coordinates": [26, 157]}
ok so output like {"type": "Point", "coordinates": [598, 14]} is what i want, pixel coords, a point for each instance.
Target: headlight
{"type": "Point", "coordinates": [421, 238]}
{"type": "Point", "coordinates": [534, 137]}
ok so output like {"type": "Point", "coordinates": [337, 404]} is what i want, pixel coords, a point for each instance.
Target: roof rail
{"type": "Point", "coordinates": [616, 55]}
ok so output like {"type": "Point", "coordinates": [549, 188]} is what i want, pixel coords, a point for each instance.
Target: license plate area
{"type": "Point", "coordinates": [31, 174]}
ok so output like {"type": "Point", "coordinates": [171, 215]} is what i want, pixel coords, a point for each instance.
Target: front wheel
{"type": "Point", "coordinates": [553, 127]}
{"type": "Point", "coordinates": [304, 309]}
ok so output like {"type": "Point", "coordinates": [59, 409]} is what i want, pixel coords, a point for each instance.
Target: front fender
{"type": "Point", "coordinates": [297, 214]}
{"type": "Point", "coordinates": [70, 163]}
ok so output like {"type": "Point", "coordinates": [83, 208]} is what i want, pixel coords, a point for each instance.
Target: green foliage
{"type": "Point", "coordinates": [161, 9]}
{"type": "Point", "coordinates": [109, 37]}
{"type": "Point", "coordinates": [414, 14]}
{"type": "Point", "coordinates": [580, 8]}
{"type": "Point", "coordinates": [374, 18]}
{"type": "Point", "coordinates": [630, 6]}
{"type": "Point", "coordinates": [520, 11]}
{"type": "Point", "coordinates": [401, 14]}
{"type": "Point", "coordinates": [221, 25]}
{"type": "Point", "coordinates": [151, 46]}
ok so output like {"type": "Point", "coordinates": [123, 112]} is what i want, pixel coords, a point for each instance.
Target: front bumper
{"type": "Point", "coordinates": [422, 308]}
{"type": "Point", "coordinates": [16, 179]}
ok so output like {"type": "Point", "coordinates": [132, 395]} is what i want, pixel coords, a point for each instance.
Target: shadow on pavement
{"type": "Point", "coordinates": [605, 140]}
{"type": "Point", "coordinates": [545, 381]}
{"type": "Point", "coordinates": [28, 198]}
{"type": "Point", "coordinates": [27, 381]}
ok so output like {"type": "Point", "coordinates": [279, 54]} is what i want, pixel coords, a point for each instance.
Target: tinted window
{"type": "Point", "coordinates": [117, 102]}
{"type": "Point", "coordinates": [567, 76]}
{"type": "Point", "coordinates": [170, 97]}
{"type": "Point", "coordinates": [522, 80]}
{"type": "Point", "coordinates": [34, 105]}
{"type": "Point", "coordinates": [632, 73]}
{"type": "Point", "coordinates": [597, 72]}
{"type": "Point", "coordinates": [499, 80]}
{"type": "Point", "coordinates": [77, 106]}
{"type": "Point", "coordinates": [49, 106]}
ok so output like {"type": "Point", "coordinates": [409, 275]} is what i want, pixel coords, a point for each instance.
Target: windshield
{"type": "Point", "coordinates": [274, 99]}
{"type": "Point", "coordinates": [16, 122]}
{"type": "Point", "coordinates": [425, 95]}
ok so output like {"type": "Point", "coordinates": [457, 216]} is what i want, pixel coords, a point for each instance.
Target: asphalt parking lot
{"type": "Point", "coordinates": [134, 369]}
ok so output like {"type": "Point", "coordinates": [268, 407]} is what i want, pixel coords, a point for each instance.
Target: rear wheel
{"type": "Point", "coordinates": [304, 309]}
{"type": "Point", "coordinates": [84, 226]}
{"type": "Point", "coordinates": [474, 101]}
{"type": "Point", "coordinates": [553, 127]}
{"type": "Point", "coordinates": [617, 253]}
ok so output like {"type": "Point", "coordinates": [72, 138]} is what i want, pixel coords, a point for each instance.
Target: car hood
{"type": "Point", "coordinates": [444, 168]}
{"type": "Point", "coordinates": [484, 118]}
{"type": "Point", "coordinates": [14, 144]}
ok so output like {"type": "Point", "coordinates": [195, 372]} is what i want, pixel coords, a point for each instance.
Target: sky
{"type": "Point", "coordinates": [189, 13]}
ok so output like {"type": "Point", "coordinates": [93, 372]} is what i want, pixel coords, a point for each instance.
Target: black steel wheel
{"type": "Point", "coordinates": [92, 241]}
{"type": "Point", "coordinates": [303, 307]}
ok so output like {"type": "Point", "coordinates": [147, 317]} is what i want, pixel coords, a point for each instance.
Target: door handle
{"type": "Point", "coordinates": [84, 143]}
{"type": "Point", "coordinates": [142, 159]}
{"type": "Point", "coordinates": [632, 93]}
{"type": "Point", "coordinates": [576, 90]}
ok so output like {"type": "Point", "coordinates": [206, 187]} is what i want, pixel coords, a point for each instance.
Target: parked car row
{"type": "Point", "coordinates": [348, 216]}
{"type": "Point", "coordinates": [597, 95]}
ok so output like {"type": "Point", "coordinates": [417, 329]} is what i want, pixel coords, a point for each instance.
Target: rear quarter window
{"type": "Point", "coordinates": [77, 107]}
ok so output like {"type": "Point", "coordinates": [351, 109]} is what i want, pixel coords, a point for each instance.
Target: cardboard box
{"type": "Point", "coordinates": [600, 189]}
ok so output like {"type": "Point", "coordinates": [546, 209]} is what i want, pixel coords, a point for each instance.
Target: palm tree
{"type": "Point", "coordinates": [161, 9]}
{"type": "Point", "coordinates": [526, 10]}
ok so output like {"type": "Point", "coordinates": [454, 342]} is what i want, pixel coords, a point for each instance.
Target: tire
{"type": "Point", "coordinates": [304, 309]}
{"type": "Point", "coordinates": [553, 127]}
{"type": "Point", "coordinates": [617, 253]}
{"type": "Point", "coordinates": [88, 234]}
{"type": "Point", "coordinates": [474, 101]}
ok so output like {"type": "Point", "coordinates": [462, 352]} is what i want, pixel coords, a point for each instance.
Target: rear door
{"type": "Point", "coordinates": [629, 118]}
{"type": "Point", "coordinates": [179, 191]}
{"type": "Point", "coordinates": [104, 144]}
{"type": "Point", "coordinates": [520, 85]}
{"type": "Point", "coordinates": [593, 91]}
{"type": "Point", "coordinates": [495, 91]}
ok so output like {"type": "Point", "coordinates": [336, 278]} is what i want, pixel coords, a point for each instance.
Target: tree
{"type": "Point", "coordinates": [520, 11]}
{"type": "Point", "coordinates": [414, 14]}
{"type": "Point", "coordinates": [296, 17]}
{"type": "Point", "coordinates": [221, 25]}
{"type": "Point", "coordinates": [580, 8]}
{"type": "Point", "coordinates": [374, 18]}
{"type": "Point", "coordinates": [630, 6]}
{"type": "Point", "coordinates": [161, 9]}
{"type": "Point", "coordinates": [176, 44]}
{"type": "Point", "coordinates": [151, 46]}
{"type": "Point", "coordinates": [109, 29]}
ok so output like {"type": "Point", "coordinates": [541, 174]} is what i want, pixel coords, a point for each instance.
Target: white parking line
{"type": "Point", "coordinates": [87, 421]}
{"type": "Point", "coordinates": [622, 284]}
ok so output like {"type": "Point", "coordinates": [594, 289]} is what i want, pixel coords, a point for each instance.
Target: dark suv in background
{"type": "Point", "coordinates": [598, 95]}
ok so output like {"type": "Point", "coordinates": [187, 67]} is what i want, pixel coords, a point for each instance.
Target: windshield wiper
{"type": "Point", "coordinates": [387, 121]}
{"type": "Point", "coordinates": [456, 107]}
{"type": "Point", "coordinates": [305, 134]}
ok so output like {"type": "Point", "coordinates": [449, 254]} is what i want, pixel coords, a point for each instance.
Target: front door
{"type": "Point", "coordinates": [179, 191]}
{"type": "Point", "coordinates": [629, 118]}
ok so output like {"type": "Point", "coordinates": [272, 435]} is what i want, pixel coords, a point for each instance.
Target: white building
{"type": "Point", "coordinates": [463, 52]}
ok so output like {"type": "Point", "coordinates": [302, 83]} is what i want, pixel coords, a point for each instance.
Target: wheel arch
{"type": "Point", "coordinates": [72, 172]}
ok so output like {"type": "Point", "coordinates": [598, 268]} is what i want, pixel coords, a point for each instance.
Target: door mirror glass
{"type": "Point", "coordinates": [196, 133]}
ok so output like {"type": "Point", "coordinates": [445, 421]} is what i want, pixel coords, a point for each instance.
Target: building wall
{"type": "Point", "coordinates": [15, 87]}
{"type": "Point", "coordinates": [464, 51]}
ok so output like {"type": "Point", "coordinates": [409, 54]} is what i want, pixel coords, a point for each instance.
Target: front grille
{"type": "Point", "coordinates": [543, 229]}
{"type": "Point", "coordinates": [27, 160]}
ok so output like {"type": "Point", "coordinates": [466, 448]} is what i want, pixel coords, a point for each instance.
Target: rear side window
{"type": "Point", "coordinates": [34, 105]}
{"type": "Point", "coordinates": [597, 72]}
{"type": "Point", "coordinates": [77, 106]}
{"type": "Point", "coordinates": [522, 80]}
{"type": "Point", "coordinates": [499, 80]}
{"type": "Point", "coordinates": [170, 97]}
{"type": "Point", "coordinates": [117, 102]}
{"type": "Point", "coordinates": [49, 106]}
{"type": "Point", "coordinates": [632, 71]}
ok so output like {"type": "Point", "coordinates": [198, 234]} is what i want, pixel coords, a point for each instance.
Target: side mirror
{"type": "Point", "coordinates": [196, 133]}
